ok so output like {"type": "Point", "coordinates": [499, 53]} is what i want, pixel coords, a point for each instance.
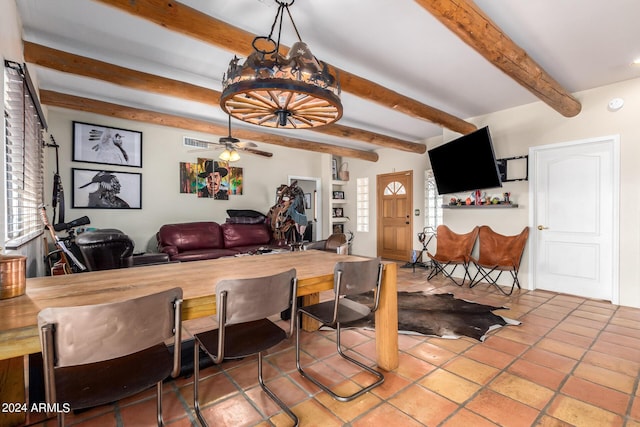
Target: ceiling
{"type": "Point", "coordinates": [397, 44]}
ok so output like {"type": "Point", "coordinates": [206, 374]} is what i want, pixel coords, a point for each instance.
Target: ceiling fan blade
{"type": "Point", "coordinates": [246, 144]}
{"type": "Point", "coordinates": [258, 152]}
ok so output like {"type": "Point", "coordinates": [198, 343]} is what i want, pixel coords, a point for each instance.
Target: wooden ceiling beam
{"type": "Point", "coordinates": [191, 22]}
{"type": "Point", "coordinates": [465, 19]}
{"type": "Point", "coordinates": [73, 102]}
{"type": "Point", "coordinates": [88, 67]}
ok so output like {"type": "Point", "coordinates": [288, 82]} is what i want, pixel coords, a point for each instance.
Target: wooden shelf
{"type": "Point", "coordinates": [498, 206]}
{"type": "Point", "coordinates": [339, 219]}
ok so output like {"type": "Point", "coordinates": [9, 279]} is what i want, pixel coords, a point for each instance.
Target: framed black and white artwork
{"type": "Point", "coordinates": [106, 145]}
{"type": "Point", "coordinates": [103, 189]}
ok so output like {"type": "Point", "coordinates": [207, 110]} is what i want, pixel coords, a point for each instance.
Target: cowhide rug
{"type": "Point", "coordinates": [440, 315]}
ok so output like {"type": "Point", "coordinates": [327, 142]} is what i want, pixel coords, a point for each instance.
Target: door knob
{"type": "Point", "coordinates": [541, 227]}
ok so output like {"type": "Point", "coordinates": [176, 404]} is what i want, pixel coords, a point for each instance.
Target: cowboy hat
{"type": "Point", "coordinates": [210, 167]}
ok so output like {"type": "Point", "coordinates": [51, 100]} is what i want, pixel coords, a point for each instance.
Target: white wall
{"type": "Point", "coordinates": [513, 132]}
{"type": "Point", "coordinates": [10, 32]}
{"type": "Point", "coordinates": [162, 203]}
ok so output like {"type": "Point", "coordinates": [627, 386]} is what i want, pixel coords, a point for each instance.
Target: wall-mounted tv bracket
{"type": "Point", "coordinates": [503, 168]}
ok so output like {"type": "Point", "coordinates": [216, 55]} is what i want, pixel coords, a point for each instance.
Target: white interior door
{"type": "Point", "coordinates": [575, 228]}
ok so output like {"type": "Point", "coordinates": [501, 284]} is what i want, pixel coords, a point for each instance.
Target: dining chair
{"type": "Point", "coordinates": [101, 353]}
{"type": "Point", "coordinates": [350, 278]}
{"type": "Point", "coordinates": [452, 249]}
{"type": "Point", "coordinates": [499, 253]}
{"type": "Point", "coordinates": [243, 309]}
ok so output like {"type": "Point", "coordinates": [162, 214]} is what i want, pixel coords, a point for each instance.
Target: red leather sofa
{"type": "Point", "coordinates": [193, 241]}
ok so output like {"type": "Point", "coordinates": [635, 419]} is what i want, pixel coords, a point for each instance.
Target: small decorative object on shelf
{"type": "Point", "coordinates": [338, 195]}
{"type": "Point", "coordinates": [343, 173]}
{"type": "Point", "coordinates": [337, 213]}
{"type": "Point", "coordinates": [475, 200]}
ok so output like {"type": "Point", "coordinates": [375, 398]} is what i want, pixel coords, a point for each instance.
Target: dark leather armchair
{"type": "Point", "coordinates": [110, 248]}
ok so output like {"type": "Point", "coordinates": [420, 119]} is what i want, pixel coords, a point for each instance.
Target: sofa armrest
{"type": "Point", "coordinates": [169, 250]}
{"type": "Point", "coordinates": [149, 259]}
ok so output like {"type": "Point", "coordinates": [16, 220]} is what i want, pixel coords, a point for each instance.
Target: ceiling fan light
{"type": "Point", "coordinates": [234, 156]}
{"type": "Point", "coordinates": [296, 91]}
{"type": "Point", "coordinates": [225, 155]}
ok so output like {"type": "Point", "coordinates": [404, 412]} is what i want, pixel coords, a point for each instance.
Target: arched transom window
{"type": "Point", "coordinates": [394, 187]}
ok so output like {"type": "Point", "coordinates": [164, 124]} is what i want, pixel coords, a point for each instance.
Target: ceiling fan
{"type": "Point", "coordinates": [230, 145]}
{"type": "Point", "coordinates": [233, 145]}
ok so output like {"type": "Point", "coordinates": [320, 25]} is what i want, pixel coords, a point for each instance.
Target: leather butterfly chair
{"type": "Point", "coordinates": [243, 306]}
{"type": "Point", "coordinates": [350, 278]}
{"type": "Point", "coordinates": [499, 253]}
{"type": "Point", "coordinates": [452, 249]}
{"type": "Point", "coordinates": [97, 354]}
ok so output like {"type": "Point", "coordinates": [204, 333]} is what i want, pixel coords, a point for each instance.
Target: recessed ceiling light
{"type": "Point", "coordinates": [636, 61]}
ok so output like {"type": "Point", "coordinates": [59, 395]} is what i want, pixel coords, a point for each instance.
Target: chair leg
{"type": "Point", "coordinates": [516, 282]}
{"type": "Point", "coordinates": [272, 395]}
{"type": "Point", "coordinates": [159, 403]}
{"type": "Point", "coordinates": [486, 275]}
{"type": "Point", "coordinates": [437, 268]}
{"type": "Point", "coordinates": [378, 375]}
{"type": "Point", "coordinates": [196, 380]}
{"type": "Point", "coordinates": [441, 268]}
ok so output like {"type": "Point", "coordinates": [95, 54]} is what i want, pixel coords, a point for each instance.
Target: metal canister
{"type": "Point", "coordinates": [13, 276]}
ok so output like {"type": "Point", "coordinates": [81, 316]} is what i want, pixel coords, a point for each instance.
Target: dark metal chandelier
{"type": "Point", "coordinates": [295, 91]}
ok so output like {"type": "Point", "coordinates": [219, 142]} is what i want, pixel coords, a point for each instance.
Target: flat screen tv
{"type": "Point", "coordinates": [465, 164]}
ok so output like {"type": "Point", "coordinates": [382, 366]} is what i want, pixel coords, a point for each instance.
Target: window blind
{"type": "Point", "coordinates": [23, 156]}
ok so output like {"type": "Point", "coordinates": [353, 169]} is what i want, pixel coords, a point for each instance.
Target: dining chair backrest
{"type": "Point", "coordinates": [357, 277]}
{"type": "Point", "coordinates": [95, 333]}
{"type": "Point", "coordinates": [245, 300]}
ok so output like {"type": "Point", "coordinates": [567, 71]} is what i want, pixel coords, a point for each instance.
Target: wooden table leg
{"type": "Point", "coordinates": [387, 319]}
{"type": "Point", "coordinates": [309, 324]}
{"type": "Point", "coordinates": [12, 390]}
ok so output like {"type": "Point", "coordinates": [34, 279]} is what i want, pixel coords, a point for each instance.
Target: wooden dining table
{"type": "Point", "coordinates": [314, 270]}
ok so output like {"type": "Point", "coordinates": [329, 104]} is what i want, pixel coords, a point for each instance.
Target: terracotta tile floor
{"type": "Point", "coordinates": [572, 362]}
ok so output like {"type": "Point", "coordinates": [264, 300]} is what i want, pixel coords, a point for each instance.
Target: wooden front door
{"type": "Point", "coordinates": [395, 222]}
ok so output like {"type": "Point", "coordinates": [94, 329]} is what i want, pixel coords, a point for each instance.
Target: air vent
{"type": "Point", "coordinates": [195, 143]}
